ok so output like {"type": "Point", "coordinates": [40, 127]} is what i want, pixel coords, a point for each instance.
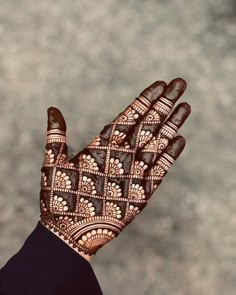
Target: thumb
{"type": "Point", "coordinates": [56, 147]}
{"type": "Point", "coordinates": [56, 129]}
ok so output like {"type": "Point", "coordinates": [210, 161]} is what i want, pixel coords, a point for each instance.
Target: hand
{"type": "Point", "coordinates": [89, 199]}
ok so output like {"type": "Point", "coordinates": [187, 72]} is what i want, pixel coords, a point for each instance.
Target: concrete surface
{"type": "Point", "coordinates": [90, 59]}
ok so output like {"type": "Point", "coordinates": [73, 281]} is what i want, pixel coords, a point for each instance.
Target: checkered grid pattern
{"type": "Point", "coordinates": [76, 197]}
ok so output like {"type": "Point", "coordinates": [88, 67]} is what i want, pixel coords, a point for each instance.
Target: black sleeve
{"type": "Point", "coordinates": [45, 265]}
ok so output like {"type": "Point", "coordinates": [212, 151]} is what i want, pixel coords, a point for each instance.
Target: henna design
{"type": "Point", "coordinates": [62, 180]}
{"type": "Point", "coordinates": [96, 238]}
{"type": "Point", "coordinates": [87, 162]}
{"type": "Point", "coordinates": [139, 168]}
{"type": "Point", "coordinates": [131, 213]}
{"type": "Point", "coordinates": [137, 192]}
{"type": "Point", "coordinates": [86, 208]}
{"type": "Point", "coordinates": [130, 115]}
{"type": "Point", "coordinates": [163, 134]}
{"type": "Point", "coordinates": [87, 186]}
{"type": "Point", "coordinates": [113, 190]}
{"type": "Point", "coordinates": [145, 136]}
{"type": "Point", "coordinates": [56, 135]}
{"type": "Point", "coordinates": [95, 142]}
{"type": "Point", "coordinates": [44, 179]}
{"type": "Point", "coordinates": [64, 222]}
{"type": "Point", "coordinates": [49, 157]}
{"type": "Point", "coordinates": [116, 167]}
{"type": "Point", "coordinates": [88, 200]}
{"type": "Point", "coordinates": [112, 210]}
{"type": "Point", "coordinates": [117, 138]}
{"type": "Point", "coordinates": [43, 206]}
{"type": "Point", "coordinates": [163, 106]}
{"type": "Point", "coordinates": [59, 204]}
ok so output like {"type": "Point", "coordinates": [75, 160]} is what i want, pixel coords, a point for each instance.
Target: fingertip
{"type": "Point", "coordinates": [55, 119]}
{"type": "Point", "coordinates": [175, 89]}
{"type": "Point", "coordinates": [185, 106]}
{"type": "Point", "coordinates": [154, 91]}
{"type": "Point", "coordinates": [180, 140]}
{"type": "Point", "coordinates": [180, 82]}
{"type": "Point", "coordinates": [50, 109]}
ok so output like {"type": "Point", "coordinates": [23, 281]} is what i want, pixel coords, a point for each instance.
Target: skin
{"type": "Point", "coordinates": [142, 130]}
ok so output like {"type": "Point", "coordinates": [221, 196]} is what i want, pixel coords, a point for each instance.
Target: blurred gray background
{"type": "Point", "coordinates": [90, 59]}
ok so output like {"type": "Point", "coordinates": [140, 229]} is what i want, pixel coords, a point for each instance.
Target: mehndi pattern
{"type": "Point", "coordinates": [89, 199]}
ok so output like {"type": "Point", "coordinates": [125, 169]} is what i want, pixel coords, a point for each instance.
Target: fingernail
{"type": "Point", "coordinates": [154, 91]}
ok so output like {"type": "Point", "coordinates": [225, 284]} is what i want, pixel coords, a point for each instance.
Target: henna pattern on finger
{"type": "Point", "coordinates": [164, 162]}
{"type": "Point", "coordinates": [88, 200]}
{"type": "Point", "coordinates": [163, 136]}
{"type": "Point", "coordinates": [126, 120]}
{"type": "Point", "coordinates": [120, 127]}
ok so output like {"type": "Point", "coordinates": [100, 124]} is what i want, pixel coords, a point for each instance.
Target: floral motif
{"type": "Point", "coordinates": [145, 136]}
{"type": "Point", "coordinates": [158, 171]}
{"type": "Point", "coordinates": [49, 157]}
{"type": "Point", "coordinates": [115, 167]}
{"type": "Point", "coordinates": [88, 186]}
{"type": "Point", "coordinates": [87, 162]}
{"type": "Point", "coordinates": [59, 204]}
{"type": "Point", "coordinates": [153, 116]}
{"type": "Point", "coordinates": [46, 219]}
{"type": "Point", "coordinates": [128, 116]}
{"type": "Point", "coordinates": [62, 180]}
{"type": "Point", "coordinates": [139, 168]}
{"type": "Point", "coordinates": [64, 222]}
{"type": "Point", "coordinates": [117, 138]}
{"type": "Point", "coordinates": [162, 144]}
{"type": "Point", "coordinates": [44, 179]}
{"type": "Point", "coordinates": [152, 144]}
{"type": "Point", "coordinates": [96, 141]}
{"type": "Point", "coordinates": [137, 192]}
{"type": "Point", "coordinates": [126, 145]}
{"type": "Point", "coordinates": [62, 159]}
{"type": "Point", "coordinates": [132, 212]}
{"type": "Point", "coordinates": [43, 206]}
{"type": "Point", "coordinates": [86, 208]}
{"type": "Point", "coordinates": [113, 210]}
{"type": "Point", "coordinates": [113, 190]}
{"type": "Point", "coordinates": [95, 239]}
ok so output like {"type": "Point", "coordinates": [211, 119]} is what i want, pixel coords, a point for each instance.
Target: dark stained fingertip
{"type": "Point", "coordinates": [180, 114]}
{"type": "Point", "coordinates": [175, 89]}
{"type": "Point", "coordinates": [175, 148]}
{"type": "Point", "coordinates": [154, 91]}
{"type": "Point", "coordinates": [55, 119]}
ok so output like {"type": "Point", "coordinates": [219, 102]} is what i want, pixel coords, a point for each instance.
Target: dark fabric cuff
{"type": "Point", "coordinates": [45, 265]}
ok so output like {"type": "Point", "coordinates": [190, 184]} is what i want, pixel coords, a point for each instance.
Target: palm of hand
{"type": "Point", "coordinates": [88, 200]}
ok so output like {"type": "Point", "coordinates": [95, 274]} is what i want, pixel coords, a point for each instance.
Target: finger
{"type": "Point", "coordinates": [157, 114]}
{"type": "Point", "coordinates": [56, 148]}
{"type": "Point", "coordinates": [158, 170]}
{"type": "Point", "coordinates": [118, 129]}
{"type": "Point", "coordinates": [56, 129]}
{"type": "Point", "coordinates": [162, 137]}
